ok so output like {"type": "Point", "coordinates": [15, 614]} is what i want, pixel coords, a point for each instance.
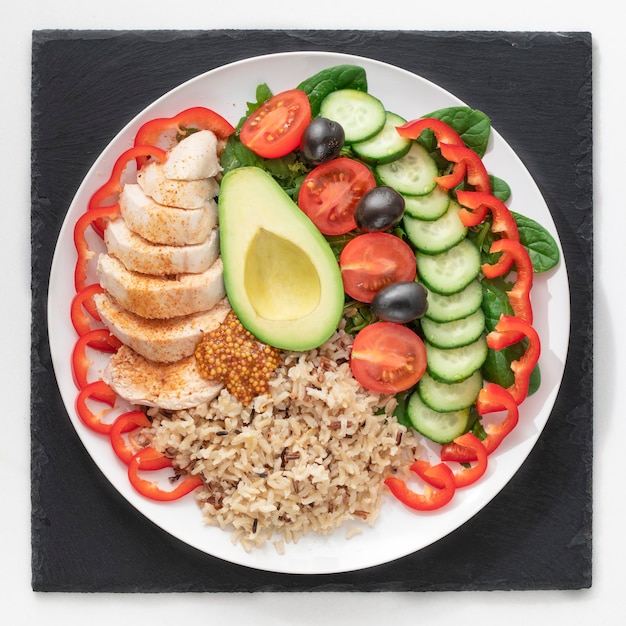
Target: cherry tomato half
{"type": "Point", "coordinates": [277, 126]}
{"type": "Point", "coordinates": [372, 261]}
{"type": "Point", "coordinates": [388, 357]}
{"type": "Point", "coordinates": [330, 192]}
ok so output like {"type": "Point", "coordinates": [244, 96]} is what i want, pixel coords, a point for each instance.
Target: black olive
{"type": "Point", "coordinates": [322, 140]}
{"type": "Point", "coordinates": [400, 302]}
{"type": "Point", "coordinates": [379, 209]}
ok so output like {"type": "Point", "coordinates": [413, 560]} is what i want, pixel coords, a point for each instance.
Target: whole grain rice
{"type": "Point", "coordinates": [306, 457]}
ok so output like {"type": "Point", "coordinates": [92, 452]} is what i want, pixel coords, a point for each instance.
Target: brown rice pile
{"type": "Point", "coordinates": [307, 457]}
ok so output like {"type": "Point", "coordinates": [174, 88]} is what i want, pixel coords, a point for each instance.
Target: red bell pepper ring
{"type": "Point", "coordinates": [97, 390]}
{"type": "Point", "coordinates": [99, 339]}
{"type": "Point", "coordinates": [480, 203]}
{"type": "Point", "coordinates": [439, 476]}
{"type": "Point", "coordinates": [150, 459]}
{"type": "Point", "coordinates": [113, 186]}
{"type": "Point", "coordinates": [476, 174]}
{"type": "Point", "coordinates": [125, 423]}
{"type": "Point", "coordinates": [492, 398]}
{"type": "Point", "coordinates": [516, 254]}
{"type": "Point", "coordinates": [83, 308]}
{"type": "Point", "coordinates": [199, 118]}
{"type": "Point", "coordinates": [444, 133]}
{"type": "Point", "coordinates": [454, 179]}
{"type": "Point", "coordinates": [507, 328]}
{"type": "Point", "coordinates": [468, 475]}
{"type": "Point", "coordinates": [84, 252]}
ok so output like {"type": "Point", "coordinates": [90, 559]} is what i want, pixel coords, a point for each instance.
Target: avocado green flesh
{"type": "Point", "coordinates": [281, 276]}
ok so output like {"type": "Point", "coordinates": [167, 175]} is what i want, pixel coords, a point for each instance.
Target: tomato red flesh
{"type": "Point", "coordinates": [372, 261]}
{"type": "Point", "coordinates": [331, 191]}
{"type": "Point", "coordinates": [388, 357]}
{"type": "Point", "coordinates": [276, 127]}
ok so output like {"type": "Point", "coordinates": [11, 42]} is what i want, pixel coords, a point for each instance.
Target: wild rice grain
{"type": "Point", "coordinates": [306, 457]}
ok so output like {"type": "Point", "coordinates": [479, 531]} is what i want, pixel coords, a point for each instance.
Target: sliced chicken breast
{"type": "Point", "coordinates": [140, 255]}
{"type": "Point", "coordinates": [193, 158]}
{"type": "Point", "coordinates": [166, 225]}
{"type": "Point", "coordinates": [184, 194]}
{"type": "Point", "coordinates": [161, 340]}
{"type": "Point", "coordinates": [170, 386]}
{"type": "Point", "coordinates": [161, 297]}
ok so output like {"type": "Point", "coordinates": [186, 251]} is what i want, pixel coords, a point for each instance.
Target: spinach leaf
{"type": "Point", "coordinates": [500, 188]}
{"type": "Point", "coordinates": [289, 171]}
{"type": "Point", "coordinates": [473, 125]}
{"type": "Point", "coordinates": [318, 86]}
{"type": "Point", "coordinates": [543, 250]}
{"type": "Point", "coordinates": [497, 365]}
{"type": "Point", "coordinates": [495, 301]}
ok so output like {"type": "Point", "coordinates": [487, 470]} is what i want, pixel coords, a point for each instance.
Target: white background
{"type": "Point", "coordinates": [604, 603]}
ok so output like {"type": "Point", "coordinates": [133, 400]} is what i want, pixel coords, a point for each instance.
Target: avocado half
{"type": "Point", "coordinates": [281, 276]}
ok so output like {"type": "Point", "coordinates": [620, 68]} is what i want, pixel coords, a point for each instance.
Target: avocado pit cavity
{"type": "Point", "coordinates": [280, 279]}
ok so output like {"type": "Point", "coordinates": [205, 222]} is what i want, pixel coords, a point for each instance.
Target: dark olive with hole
{"type": "Point", "coordinates": [400, 302]}
{"type": "Point", "coordinates": [380, 209]}
{"type": "Point", "coordinates": [322, 140]}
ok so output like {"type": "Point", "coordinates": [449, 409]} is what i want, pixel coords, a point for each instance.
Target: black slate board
{"type": "Point", "coordinates": [536, 87]}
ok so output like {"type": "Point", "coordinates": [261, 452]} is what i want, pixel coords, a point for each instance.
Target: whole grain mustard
{"type": "Point", "coordinates": [232, 355]}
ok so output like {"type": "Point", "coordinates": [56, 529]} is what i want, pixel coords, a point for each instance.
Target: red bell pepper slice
{"type": "Point", "coordinates": [476, 174]}
{"type": "Point", "coordinates": [85, 254]}
{"type": "Point", "coordinates": [83, 304]}
{"type": "Point", "coordinates": [444, 133]}
{"type": "Point", "coordinates": [98, 390]}
{"type": "Point", "coordinates": [99, 339]}
{"type": "Point", "coordinates": [439, 476]}
{"type": "Point", "coordinates": [150, 459]}
{"type": "Point", "coordinates": [114, 185]}
{"type": "Point", "coordinates": [125, 423]}
{"type": "Point", "coordinates": [492, 398]}
{"type": "Point", "coordinates": [503, 222]}
{"type": "Point", "coordinates": [468, 475]}
{"type": "Point", "coordinates": [516, 254]}
{"type": "Point", "coordinates": [507, 328]}
{"type": "Point", "coordinates": [199, 118]}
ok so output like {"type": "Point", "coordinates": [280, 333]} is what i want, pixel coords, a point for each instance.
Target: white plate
{"type": "Point", "coordinates": [397, 532]}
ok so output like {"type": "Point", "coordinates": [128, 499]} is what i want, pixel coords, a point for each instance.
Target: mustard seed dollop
{"type": "Point", "coordinates": [233, 356]}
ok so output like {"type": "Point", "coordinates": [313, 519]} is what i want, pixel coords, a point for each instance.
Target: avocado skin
{"type": "Point", "coordinates": [281, 276]}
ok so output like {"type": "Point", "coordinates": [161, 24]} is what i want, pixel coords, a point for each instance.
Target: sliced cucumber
{"type": "Point", "coordinates": [430, 206]}
{"type": "Point", "coordinates": [413, 174]}
{"type": "Point", "coordinates": [360, 114]}
{"type": "Point", "coordinates": [440, 427]}
{"type": "Point", "coordinates": [433, 237]}
{"type": "Point", "coordinates": [455, 364]}
{"type": "Point", "coordinates": [455, 306]}
{"type": "Point", "coordinates": [387, 145]}
{"type": "Point", "coordinates": [446, 397]}
{"type": "Point", "coordinates": [450, 271]}
{"type": "Point", "coordinates": [454, 334]}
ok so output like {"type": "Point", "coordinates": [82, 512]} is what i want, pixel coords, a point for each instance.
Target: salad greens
{"type": "Point", "coordinates": [474, 127]}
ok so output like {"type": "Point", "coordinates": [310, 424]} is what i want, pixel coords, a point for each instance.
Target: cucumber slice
{"type": "Point", "coordinates": [450, 271]}
{"type": "Point", "coordinates": [456, 364]}
{"type": "Point", "coordinates": [387, 145]}
{"type": "Point", "coordinates": [413, 174]}
{"type": "Point", "coordinates": [360, 114]}
{"type": "Point", "coordinates": [455, 306]}
{"type": "Point", "coordinates": [433, 237]}
{"type": "Point", "coordinates": [456, 333]}
{"type": "Point", "coordinates": [430, 206]}
{"type": "Point", "coordinates": [440, 427]}
{"type": "Point", "coordinates": [446, 397]}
